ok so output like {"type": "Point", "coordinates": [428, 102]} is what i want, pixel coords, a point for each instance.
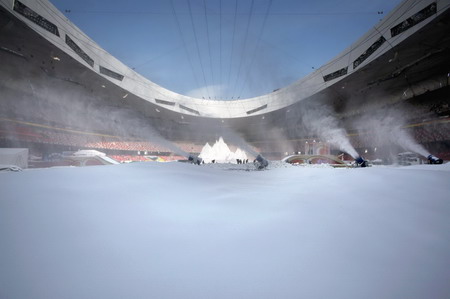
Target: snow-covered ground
{"type": "Point", "coordinates": [175, 230]}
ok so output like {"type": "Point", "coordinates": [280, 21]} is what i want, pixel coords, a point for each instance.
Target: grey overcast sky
{"type": "Point", "coordinates": [224, 49]}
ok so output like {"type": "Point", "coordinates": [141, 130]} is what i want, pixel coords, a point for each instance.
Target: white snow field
{"type": "Point", "coordinates": [175, 230]}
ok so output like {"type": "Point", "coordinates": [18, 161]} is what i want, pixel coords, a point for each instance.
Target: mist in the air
{"type": "Point", "coordinates": [387, 128]}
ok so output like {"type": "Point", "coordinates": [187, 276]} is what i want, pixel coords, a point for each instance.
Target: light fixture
{"type": "Point", "coordinates": [125, 95]}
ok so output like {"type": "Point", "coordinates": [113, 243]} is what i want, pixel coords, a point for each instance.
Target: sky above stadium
{"type": "Point", "coordinates": [225, 49]}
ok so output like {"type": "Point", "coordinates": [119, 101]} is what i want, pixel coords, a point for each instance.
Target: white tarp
{"type": "Point", "coordinates": [14, 157]}
{"type": "Point", "coordinates": [88, 153]}
{"type": "Point", "coordinates": [84, 156]}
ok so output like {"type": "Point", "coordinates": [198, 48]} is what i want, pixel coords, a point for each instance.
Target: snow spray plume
{"type": "Point", "coordinates": [127, 123]}
{"type": "Point", "coordinates": [385, 127]}
{"type": "Point", "coordinates": [136, 125]}
{"type": "Point", "coordinates": [320, 121]}
{"type": "Point", "coordinates": [74, 105]}
{"type": "Point", "coordinates": [237, 140]}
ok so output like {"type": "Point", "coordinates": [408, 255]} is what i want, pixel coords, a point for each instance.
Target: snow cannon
{"type": "Point", "coordinates": [195, 160]}
{"type": "Point", "coordinates": [434, 160]}
{"type": "Point", "coordinates": [261, 162]}
{"type": "Point", "coordinates": [360, 162]}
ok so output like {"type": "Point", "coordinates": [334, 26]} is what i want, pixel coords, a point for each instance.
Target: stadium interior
{"type": "Point", "coordinates": [54, 104]}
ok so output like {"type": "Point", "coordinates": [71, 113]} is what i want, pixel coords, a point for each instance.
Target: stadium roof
{"type": "Point", "coordinates": [403, 56]}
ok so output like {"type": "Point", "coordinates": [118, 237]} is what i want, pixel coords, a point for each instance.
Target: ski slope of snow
{"type": "Point", "coordinates": [176, 230]}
